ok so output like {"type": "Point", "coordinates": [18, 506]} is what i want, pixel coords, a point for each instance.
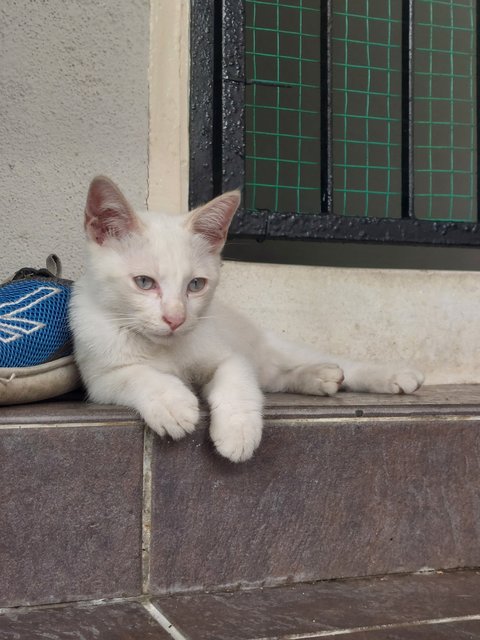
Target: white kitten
{"type": "Point", "coordinates": [147, 328]}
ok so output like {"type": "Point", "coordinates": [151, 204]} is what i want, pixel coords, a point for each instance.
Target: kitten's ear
{"type": "Point", "coordinates": [107, 212]}
{"type": "Point", "coordinates": [213, 219]}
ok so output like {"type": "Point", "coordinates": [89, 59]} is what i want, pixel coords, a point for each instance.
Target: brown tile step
{"type": "Point", "coordinates": [443, 606]}
{"type": "Point", "coordinates": [354, 485]}
{"type": "Point", "coordinates": [348, 486]}
{"type": "Point", "coordinates": [71, 511]}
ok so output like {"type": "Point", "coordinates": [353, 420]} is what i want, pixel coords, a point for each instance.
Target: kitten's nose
{"type": "Point", "coordinates": [174, 320]}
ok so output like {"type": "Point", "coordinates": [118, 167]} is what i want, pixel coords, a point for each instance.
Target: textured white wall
{"type": "Point", "coordinates": [73, 103]}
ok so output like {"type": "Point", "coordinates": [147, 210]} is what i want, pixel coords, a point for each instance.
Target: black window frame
{"type": "Point", "coordinates": [217, 139]}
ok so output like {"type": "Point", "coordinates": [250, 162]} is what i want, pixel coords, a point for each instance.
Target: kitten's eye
{"type": "Point", "coordinates": [145, 282]}
{"type": "Point", "coordinates": [197, 284]}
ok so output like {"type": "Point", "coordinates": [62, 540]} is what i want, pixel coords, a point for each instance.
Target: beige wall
{"type": "Point", "coordinates": [427, 317]}
{"type": "Point", "coordinates": [82, 92]}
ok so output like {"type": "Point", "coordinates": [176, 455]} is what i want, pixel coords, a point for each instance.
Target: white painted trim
{"type": "Point", "coordinates": [169, 80]}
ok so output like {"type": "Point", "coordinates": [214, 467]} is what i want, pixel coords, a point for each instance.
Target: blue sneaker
{"type": "Point", "coordinates": [36, 352]}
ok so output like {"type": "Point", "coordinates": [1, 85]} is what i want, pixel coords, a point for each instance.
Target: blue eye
{"type": "Point", "coordinates": [197, 284]}
{"type": "Point", "coordinates": [145, 283]}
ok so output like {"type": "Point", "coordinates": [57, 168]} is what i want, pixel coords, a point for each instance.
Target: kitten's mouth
{"type": "Point", "coordinates": [163, 335]}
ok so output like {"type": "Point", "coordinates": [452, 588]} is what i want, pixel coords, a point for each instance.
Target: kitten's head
{"type": "Point", "coordinates": [153, 273]}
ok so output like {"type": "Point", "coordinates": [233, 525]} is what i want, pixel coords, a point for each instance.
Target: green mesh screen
{"type": "Point", "coordinates": [445, 113]}
{"type": "Point", "coordinates": [366, 78]}
{"type": "Point", "coordinates": [283, 107]}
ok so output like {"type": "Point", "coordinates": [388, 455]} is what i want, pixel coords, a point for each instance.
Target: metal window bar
{"type": "Point", "coordinates": [409, 227]}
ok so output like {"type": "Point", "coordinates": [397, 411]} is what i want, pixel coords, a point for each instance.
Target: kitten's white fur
{"type": "Point", "coordinates": [128, 353]}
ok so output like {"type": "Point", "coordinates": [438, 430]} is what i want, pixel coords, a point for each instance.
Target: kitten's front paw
{"type": "Point", "coordinates": [406, 381]}
{"type": "Point", "coordinates": [175, 412]}
{"type": "Point", "coordinates": [236, 436]}
{"type": "Point", "coordinates": [319, 379]}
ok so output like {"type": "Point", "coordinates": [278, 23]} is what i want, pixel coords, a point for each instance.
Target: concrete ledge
{"type": "Point", "coordinates": [429, 400]}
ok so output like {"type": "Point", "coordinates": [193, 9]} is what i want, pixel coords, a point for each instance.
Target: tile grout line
{"type": "Point", "coordinates": [449, 416]}
{"type": "Point", "coordinates": [146, 507]}
{"type": "Point", "coordinates": [96, 602]}
{"type": "Point", "coordinates": [380, 627]}
{"type": "Point", "coordinates": [368, 419]}
{"type": "Point", "coordinates": [163, 621]}
{"type": "Point", "coordinates": [67, 425]}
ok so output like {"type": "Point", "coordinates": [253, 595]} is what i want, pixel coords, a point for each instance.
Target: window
{"type": "Point", "coordinates": [348, 120]}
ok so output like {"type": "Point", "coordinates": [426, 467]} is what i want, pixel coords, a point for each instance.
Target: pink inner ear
{"type": "Point", "coordinates": [215, 235]}
{"type": "Point", "coordinates": [107, 212]}
{"type": "Point", "coordinates": [103, 226]}
{"type": "Point", "coordinates": [213, 219]}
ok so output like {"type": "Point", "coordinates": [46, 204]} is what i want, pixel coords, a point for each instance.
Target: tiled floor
{"type": "Point", "coordinates": [416, 607]}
